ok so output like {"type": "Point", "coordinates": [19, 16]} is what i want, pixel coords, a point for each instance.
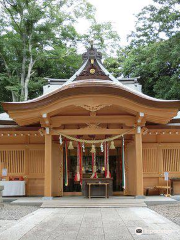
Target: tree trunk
{"type": "Point", "coordinates": [14, 97]}
{"type": "Point", "coordinates": [29, 73]}
{"type": "Point", "coordinates": [23, 69]}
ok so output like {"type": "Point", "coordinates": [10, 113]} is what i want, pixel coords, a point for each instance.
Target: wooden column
{"type": "Point", "coordinates": [139, 165]}
{"type": "Point", "coordinates": [48, 166]}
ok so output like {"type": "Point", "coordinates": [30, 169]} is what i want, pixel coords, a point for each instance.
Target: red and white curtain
{"type": "Point", "coordinates": [78, 176]}
{"type": "Point", "coordinates": [106, 160]}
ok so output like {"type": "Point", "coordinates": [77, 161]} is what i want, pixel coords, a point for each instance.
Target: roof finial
{"type": "Point", "coordinates": [91, 43]}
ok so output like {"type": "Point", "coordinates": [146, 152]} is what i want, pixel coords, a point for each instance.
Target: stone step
{"type": "Point", "coordinates": [90, 205]}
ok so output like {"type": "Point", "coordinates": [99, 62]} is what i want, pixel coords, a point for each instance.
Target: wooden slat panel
{"type": "Point", "coordinates": [13, 160]}
{"type": "Point", "coordinates": [150, 162]}
{"type": "Point", "coordinates": [171, 159]}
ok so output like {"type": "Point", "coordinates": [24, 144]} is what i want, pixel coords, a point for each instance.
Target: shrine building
{"type": "Point", "coordinates": [92, 129]}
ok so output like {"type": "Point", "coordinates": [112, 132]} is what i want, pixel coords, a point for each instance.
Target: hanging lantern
{"type": "Point", "coordinates": [112, 145]}
{"type": "Point", "coordinates": [102, 148]}
{"type": "Point", "coordinates": [93, 149]}
{"type": "Point", "coordinates": [83, 147]}
{"type": "Point", "coordinates": [70, 147]}
{"type": "Point", "coordinates": [60, 140]}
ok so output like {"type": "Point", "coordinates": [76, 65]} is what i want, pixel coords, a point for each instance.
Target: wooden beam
{"type": "Point", "coordinates": [140, 119]}
{"type": "Point", "coordinates": [89, 131]}
{"type": "Point", "coordinates": [45, 120]}
{"type": "Point", "coordinates": [125, 119]}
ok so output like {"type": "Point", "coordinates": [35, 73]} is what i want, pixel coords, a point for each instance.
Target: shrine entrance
{"type": "Point", "coordinates": [115, 168]}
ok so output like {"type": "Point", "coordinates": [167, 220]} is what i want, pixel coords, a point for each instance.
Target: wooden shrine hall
{"type": "Point", "coordinates": [91, 131]}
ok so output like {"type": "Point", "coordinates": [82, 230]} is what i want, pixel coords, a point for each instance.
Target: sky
{"type": "Point", "coordinates": [120, 13]}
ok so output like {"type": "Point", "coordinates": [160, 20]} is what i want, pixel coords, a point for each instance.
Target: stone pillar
{"type": "Point", "coordinates": [48, 167]}
{"type": "Point", "coordinates": [1, 200]}
{"type": "Point", "coordinates": [139, 191]}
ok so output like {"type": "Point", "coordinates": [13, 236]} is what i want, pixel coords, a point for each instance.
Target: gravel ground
{"type": "Point", "coordinates": [15, 212]}
{"type": "Point", "coordinates": [170, 211]}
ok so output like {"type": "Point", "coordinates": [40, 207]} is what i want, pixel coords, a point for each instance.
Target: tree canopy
{"type": "Point", "coordinates": [153, 52]}
{"type": "Point", "coordinates": [39, 39]}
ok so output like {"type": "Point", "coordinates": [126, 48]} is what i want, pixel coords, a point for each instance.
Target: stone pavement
{"type": "Point", "coordinates": [91, 223]}
{"type": "Point", "coordinates": [80, 201]}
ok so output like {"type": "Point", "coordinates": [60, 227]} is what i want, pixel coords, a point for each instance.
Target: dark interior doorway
{"type": "Point", "coordinates": [115, 167]}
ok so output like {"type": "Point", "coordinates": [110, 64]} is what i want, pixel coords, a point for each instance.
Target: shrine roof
{"type": "Point", "coordinates": [92, 79]}
{"type": "Point", "coordinates": [91, 86]}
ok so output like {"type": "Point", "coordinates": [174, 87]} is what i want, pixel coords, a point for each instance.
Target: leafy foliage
{"type": "Point", "coordinates": [105, 38]}
{"type": "Point", "coordinates": [39, 39]}
{"type": "Point", "coordinates": [153, 53]}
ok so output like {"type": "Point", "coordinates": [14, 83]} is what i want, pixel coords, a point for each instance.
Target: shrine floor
{"type": "Point", "coordinates": [91, 223]}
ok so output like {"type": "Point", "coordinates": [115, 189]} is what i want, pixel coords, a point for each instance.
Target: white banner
{"type": "Point", "coordinates": [166, 176]}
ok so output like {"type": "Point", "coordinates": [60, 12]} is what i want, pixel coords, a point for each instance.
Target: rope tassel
{"type": "Point", "coordinates": [78, 176]}
{"type": "Point", "coordinates": [94, 168]}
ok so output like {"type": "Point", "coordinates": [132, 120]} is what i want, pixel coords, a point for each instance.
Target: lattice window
{"type": "Point", "coordinates": [13, 160]}
{"type": "Point", "coordinates": [171, 160]}
{"type": "Point", "coordinates": [36, 161]}
{"type": "Point", "coordinates": [150, 163]}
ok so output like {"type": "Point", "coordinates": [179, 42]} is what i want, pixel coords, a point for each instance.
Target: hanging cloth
{"type": "Point", "coordinates": [66, 162]}
{"type": "Point", "coordinates": [123, 166]}
{"type": "Point", "coordinates": [80, 161]}
{"type": "Point", "coordinates": [94, 168]}
{"type": "Point", "coordinates": [106, 160]}
{"type": "Point", "coordinates": [78, 176]}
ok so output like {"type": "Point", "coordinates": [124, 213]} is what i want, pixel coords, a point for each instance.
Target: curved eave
{"type": "Point", "coordinates": [93, 88]}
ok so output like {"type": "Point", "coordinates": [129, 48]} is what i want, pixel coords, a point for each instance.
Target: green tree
{"type": "Point", "coordinates": [105, 38]}
{"type": "Point", "coordinates": [157, 21]}
{"type": "Point", "coordinates": [153, 53]}
{"type": "Point", "coordinates": [39, 39]}
{"type": "Point", "coordinates": [32, 31]}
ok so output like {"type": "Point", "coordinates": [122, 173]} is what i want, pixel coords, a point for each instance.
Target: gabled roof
{"type": "Point", "coordinates": [92, 68]}
{"type": "Point", "coordinates": [93, 79]}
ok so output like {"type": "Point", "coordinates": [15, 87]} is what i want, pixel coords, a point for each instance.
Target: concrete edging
{"type": "Point", "coordinates": [1, 200]}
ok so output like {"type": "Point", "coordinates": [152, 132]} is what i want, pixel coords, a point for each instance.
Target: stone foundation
{"type": "Point", "coordinates": [1, 200]}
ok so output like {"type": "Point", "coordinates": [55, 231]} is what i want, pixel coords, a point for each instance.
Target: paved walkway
{"type": "Point", "coordinates": [91, 223]}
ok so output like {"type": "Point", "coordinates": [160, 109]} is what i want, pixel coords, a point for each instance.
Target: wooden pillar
{"type": "Point", "coordinates": [139, 191]}
{"type": "Point", "coordinates": [48, 166]}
